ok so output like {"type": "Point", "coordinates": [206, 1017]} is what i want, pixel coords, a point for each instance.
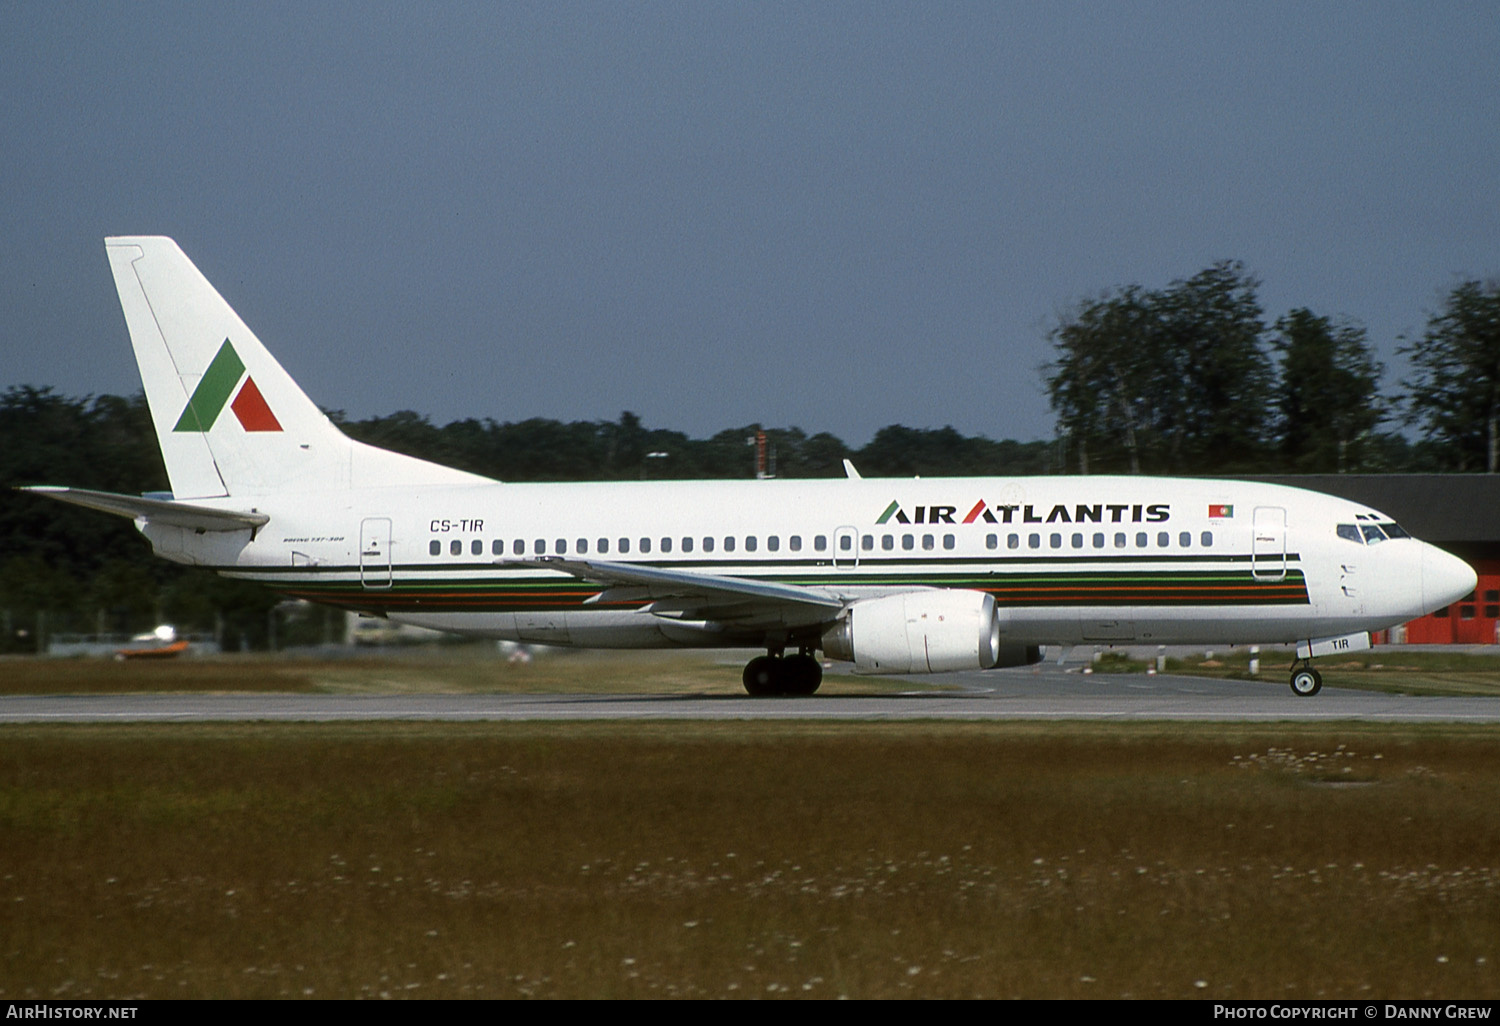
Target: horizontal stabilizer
{"type": "Point", "coordinates": [155, 511]}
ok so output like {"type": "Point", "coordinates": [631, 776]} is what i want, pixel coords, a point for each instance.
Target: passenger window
{"type": "Point", "coordinates": [1207, 538]}
{"type": "Point", "coordinates": [687, 545]}
{"type": "Point", "coordinates": [1185, 539]}
{"type": "Point", "coordinates": [497, 548]}
{"type": "Point", "coordinates": [1099, 539]}
{"type": "Point", "coordinates": [666, 544]}
{"type": "Point", "coordinates": [773, 543]}
{"type": "Point", "coordinates": [624, 546]}
{"type": "Point", "coordinates": [729, 543]}
{"type": "Point", "coordinates": [908, 542]}
{"type": "Point", "coordinates": [645, 545]}
{"type": "Point", "coordinates": [476, 547]}
{"type": "Point", "coordinates": [562, 547]}
{"type": "Point", "coordinates": [1056, 540]}
{"type": "Point", "coordinates": [795, 543]}
{"type": "Point", "coordinates": [1034, 541]}
{"type": "Point", "coordinates": [1013, 541]}
{"type": "Point", "coordinates": [538, 547]}
{"type": "Point", "coordinates": [518, 547]}
{"type": "Point", "coordinates": [603, 546]}
{"type": "Point", "coordinates": [708, 543]}
{"type": "Point", "coordinates": [582, 548]}
{"type": "Point", "coordinates": [949, 542]}
{"type": "Point", "coordinates": [1349, 532]}
{"type": "Point", "coordinates": [751, 543]}
{"type": "Point", "coordinates": [1077, 540]}
{"type": "Point", "coordinates": [867, 543]}
{"type": "Point", "coordinates": [820, 542]}
{"type": "Point", "coordinates": [434, 548]}
{"type": "Point", "coordinates": [1140, 539]}
{"type": "Point", "coordinates": [992, 541]}
{"type": "Point", "coordinates": [888, 542]}
{"type": "Point", "coordinates": [928, 543]}
{"type": "Point", "coordinates": [1120, 539]}
{"type": "Point", "coordinates": [455, 548]}
{"type": "Point", "coordinates": [1163, 539]}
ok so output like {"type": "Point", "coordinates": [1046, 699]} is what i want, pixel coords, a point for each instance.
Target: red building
{"type": "Point", "coordinates": [1472, 621]}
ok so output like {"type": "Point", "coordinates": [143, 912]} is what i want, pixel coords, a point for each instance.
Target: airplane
{"type": "Point", "coordinates": [895, 576]}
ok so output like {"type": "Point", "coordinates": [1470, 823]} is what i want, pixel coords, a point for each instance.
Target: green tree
{"type": "Point", "coordinates": [1103, 383]}
{"type": "Point", "coordinates": [1175, 380]}
{"type": "Point", "coordinates": [1219, 377]}
{"type": "Point", "coordinates": [1454, 391]}
{"type": "Point", "coordinates": [1329, 398]}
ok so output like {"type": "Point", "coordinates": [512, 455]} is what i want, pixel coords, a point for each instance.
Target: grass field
{"type": "Point", "coordinates": [749, 859]}
{"type": "Point", "coordinates": [737, 860]}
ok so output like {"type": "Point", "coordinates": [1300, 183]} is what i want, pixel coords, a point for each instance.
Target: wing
{"type": "Point", "coordinates": [687, 595]}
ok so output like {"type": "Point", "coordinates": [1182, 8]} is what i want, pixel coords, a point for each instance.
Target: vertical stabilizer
{"type": "Point", "coordinates": [229, 419]}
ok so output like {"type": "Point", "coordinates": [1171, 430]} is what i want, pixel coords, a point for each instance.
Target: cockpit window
{"type": "Point", "coordinates": [1394, 530]}
{"type": "Point", "coordinates": [1373, 533]}
{"type": "Point", "coordinates": [1350, 533]}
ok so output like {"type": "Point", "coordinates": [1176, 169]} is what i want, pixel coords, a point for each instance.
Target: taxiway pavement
{"type": "Point", "coordinates": [1047, 692]}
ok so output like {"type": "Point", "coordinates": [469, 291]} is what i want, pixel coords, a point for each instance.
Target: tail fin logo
{"type": "Point", "coordinates": [221, 381]}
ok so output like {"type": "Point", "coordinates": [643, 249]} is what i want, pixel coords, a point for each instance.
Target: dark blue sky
{"type": "Point", "coordinates": [836, 216]}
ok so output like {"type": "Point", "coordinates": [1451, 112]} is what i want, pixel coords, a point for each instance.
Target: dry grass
{"type": "Point", "coordinates": [868, 860]}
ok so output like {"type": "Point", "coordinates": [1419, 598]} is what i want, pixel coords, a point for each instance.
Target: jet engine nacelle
{"type": "Point", "coordinates": [924, 632]}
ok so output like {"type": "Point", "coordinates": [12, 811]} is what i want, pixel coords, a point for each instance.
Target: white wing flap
{"type": "Point", "coordinates": [687, 594]}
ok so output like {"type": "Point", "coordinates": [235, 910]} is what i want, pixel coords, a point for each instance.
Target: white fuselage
{"type": "Point", "coordinates": [1067, 559]}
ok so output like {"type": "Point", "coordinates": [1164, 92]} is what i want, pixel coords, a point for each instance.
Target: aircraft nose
{"type": "Point", "coordinates": [1445, 578]}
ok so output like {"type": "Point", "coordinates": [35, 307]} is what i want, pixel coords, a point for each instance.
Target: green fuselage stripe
{"type": "Point", "coordinates": [473, 592]}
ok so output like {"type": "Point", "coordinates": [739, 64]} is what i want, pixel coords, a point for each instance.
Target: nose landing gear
{"type": "Point", "coordinates": [1306, 681]}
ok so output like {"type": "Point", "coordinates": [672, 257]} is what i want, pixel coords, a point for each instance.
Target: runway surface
{"type": "Point", "coordinates": [1038, 693]}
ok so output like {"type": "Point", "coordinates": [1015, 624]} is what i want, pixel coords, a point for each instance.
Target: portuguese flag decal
{"type": "Point", "coordinates": [224, 378]}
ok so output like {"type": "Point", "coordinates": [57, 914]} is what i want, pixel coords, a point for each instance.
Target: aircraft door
{"type": "Point", "coordinates": [375, 552]}
{"type": "Point", "coordinates": [1268, 544]}
{"type": "Point", "coordinates": [846, 548]}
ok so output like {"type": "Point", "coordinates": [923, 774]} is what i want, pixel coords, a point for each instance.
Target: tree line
{"type": "Point", "coordinates": [1189, 378]}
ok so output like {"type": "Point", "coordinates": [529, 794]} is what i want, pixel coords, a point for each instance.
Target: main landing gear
{"type": "Point", "coordinates": [1306, 681]}
{"type": "Point", "coordinates": [774, 674]}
